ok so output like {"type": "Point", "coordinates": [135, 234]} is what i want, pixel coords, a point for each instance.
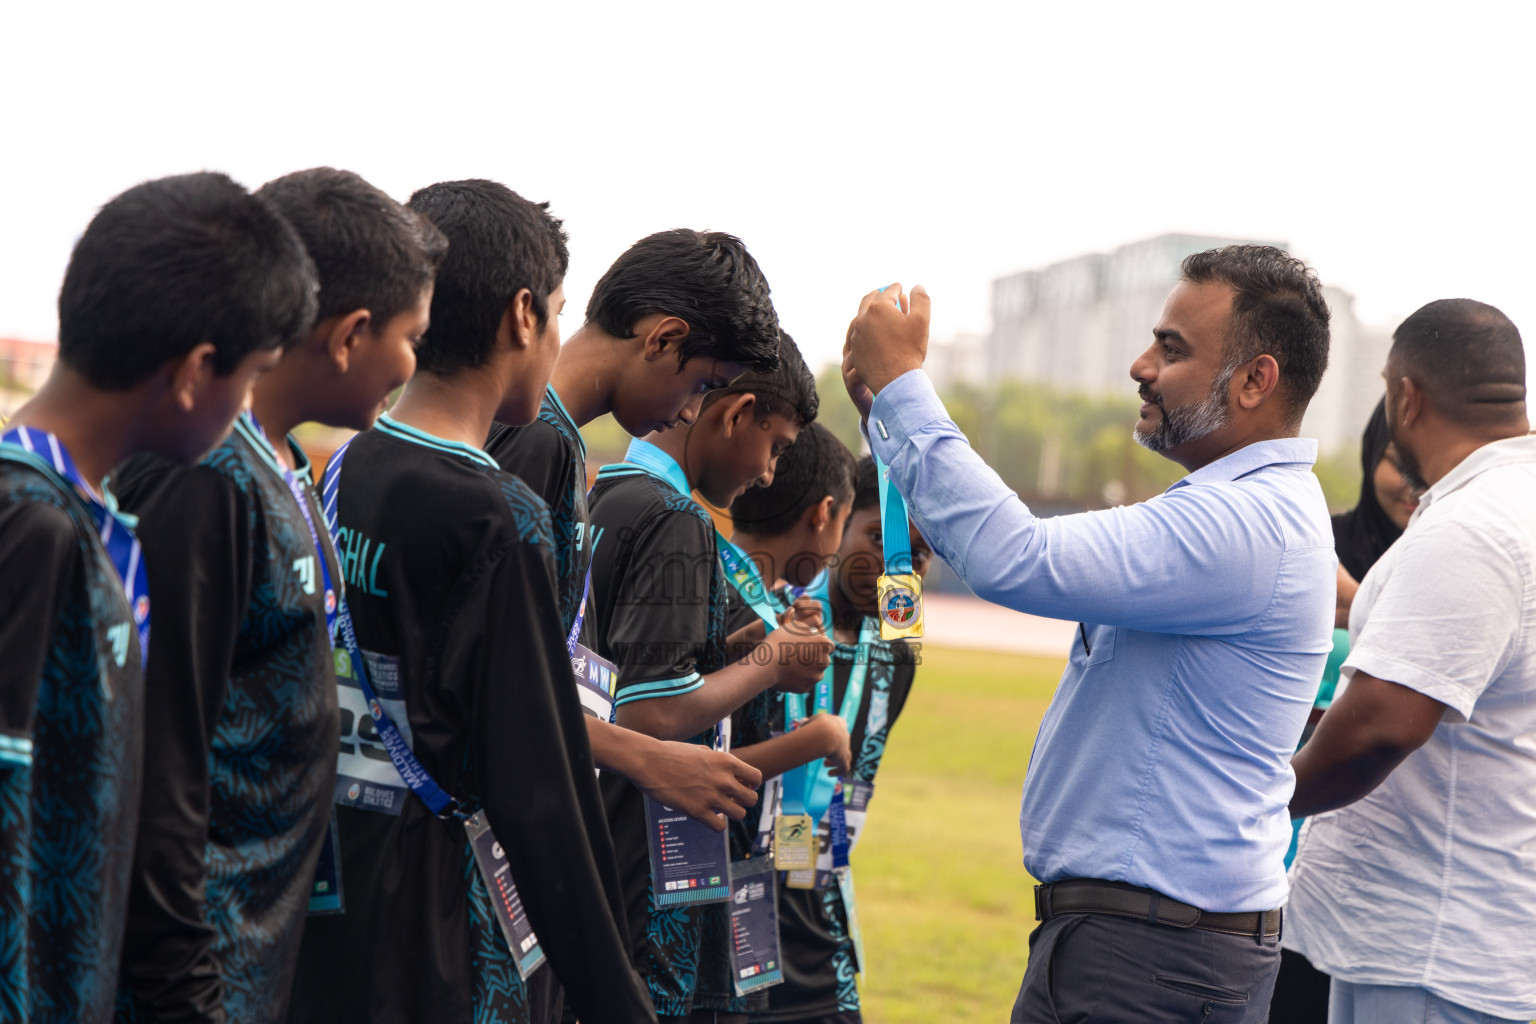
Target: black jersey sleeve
{"type": "Point", "coordinates": [39, 549]}
{"type": "Point", "coordinates": [195, 526]}
{"type": "Point", "coordinates": [540, 791]}
{"type": "Point", "coordinates": [660, 625]}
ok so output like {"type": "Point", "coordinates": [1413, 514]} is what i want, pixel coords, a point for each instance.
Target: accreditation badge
{"type": "Point", "coordinates": [899, 598]}
{"type": "Point", "coordinates": [794, 844]}
{"type": "Point", "coordinates": [491, 859]}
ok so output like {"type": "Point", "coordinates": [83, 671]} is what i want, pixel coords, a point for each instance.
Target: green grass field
{"type": "Point", "coordinates": [945, 905]}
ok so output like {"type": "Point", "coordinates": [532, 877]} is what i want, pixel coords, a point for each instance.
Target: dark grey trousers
{"type": "Point", "coordinates": [1107, 970]}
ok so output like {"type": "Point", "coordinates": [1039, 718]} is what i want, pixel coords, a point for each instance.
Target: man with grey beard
{"type": "Point", "coordinates": [1155, 811]}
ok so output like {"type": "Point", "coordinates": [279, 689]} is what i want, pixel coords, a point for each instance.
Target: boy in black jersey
{"type": "Point", "coordinates": [241, 686]}
{"type": "Point", "coordinates": [814, 928]}
{"type": "Point", "coordinates": [459, 627]}
{"type": "Point", "coordinates": [661, 607]}
{"type": "Point", "coordinates": [178, 294]}
{"type": "Point", "coordinates": [678, 314]}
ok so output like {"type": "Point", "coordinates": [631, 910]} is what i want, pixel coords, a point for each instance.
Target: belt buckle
{"type": "Point", "coordinates": [1042, 903]}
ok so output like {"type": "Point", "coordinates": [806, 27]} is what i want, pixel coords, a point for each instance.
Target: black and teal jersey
{"type": "Point", "coordinates": [813, 924]}
{"type": "Point", "coordinates": [550, 456]}
{"type": "Point", "coordinates": [659, 599]}
{"type": "Point", "coordinates": [460, 616]}
{"type": "Point", "coordinates": [242, 709]}
{"type": "Point", "coordinates": [71, 746]}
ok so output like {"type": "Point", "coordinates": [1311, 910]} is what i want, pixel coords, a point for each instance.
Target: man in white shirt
{"type": "Point", "coordinates": [1419, 897]}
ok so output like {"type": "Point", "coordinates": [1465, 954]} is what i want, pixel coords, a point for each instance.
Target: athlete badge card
{"type": "Point", "coordinates": [690, 862]}
{"type": "Point", "coordinates": [497, 873]}
{"type": "Point", "coordinates": [596, 680]}
{"type": "Point", "coordinates": [754, 911]}
{"type": "Point", "coordinates": [366, 778]}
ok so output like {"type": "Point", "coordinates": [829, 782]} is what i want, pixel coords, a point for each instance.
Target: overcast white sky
{"type": "Point", "coordinates": [849, 144]}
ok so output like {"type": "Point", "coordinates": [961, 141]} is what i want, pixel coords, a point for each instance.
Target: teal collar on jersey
{"type": "Point", "coordinates": [405, 432]}
{"type": "Point", "coordinates": [247, 426]}
{"type": "Point", "coordinates": [554, 399]}
{"type": "Point", "coordinates": [659, 464]}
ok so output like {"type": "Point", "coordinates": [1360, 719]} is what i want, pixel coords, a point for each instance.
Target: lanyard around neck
{"type": "Point", "coordinates": [409, 767]}
{"type": "Point", "coordinates": [44, 451]}
{"type": "Point", "coordinates": [808, 788]}
{"type": "Point", "coordinates": [300, 495]}
{"type": "Point", "coordinates": [744, 575]}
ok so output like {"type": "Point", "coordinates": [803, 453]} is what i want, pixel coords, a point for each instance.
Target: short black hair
{"type": "Point", "coordinates": [498, 244]}
{"type": "Point", "coordinates": [1465, 353]}
{"type": "Point", "coordinates": [1279, 309]}
{"type": "Point", "coordinates": [705, 278]}
{"type": "Point", "coordinates": [370, 252]}
{"type": "Point", "coordinates": [816, 465]}
{"type": "Point", "coordinates": [866, 488]}
{"type": "Point", "coordinates": [176, 262]}
{"type": "Point", "coordinates": [788, 389]}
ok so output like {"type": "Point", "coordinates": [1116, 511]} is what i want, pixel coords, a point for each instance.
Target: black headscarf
{"type": "Point", "coordinates": [1363, 534]}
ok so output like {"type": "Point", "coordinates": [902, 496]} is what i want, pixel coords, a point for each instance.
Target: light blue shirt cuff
{"type": "Point", "coordinates": [903, 407]}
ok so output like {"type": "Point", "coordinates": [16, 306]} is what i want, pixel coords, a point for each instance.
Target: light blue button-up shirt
{"type": "Point", "coordinates": [1164, 759]}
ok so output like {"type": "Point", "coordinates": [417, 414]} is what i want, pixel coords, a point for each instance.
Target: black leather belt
{"type": "Point", "coordinates": [1091, 896]}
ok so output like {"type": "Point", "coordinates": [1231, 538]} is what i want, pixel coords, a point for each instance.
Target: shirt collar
{"type": "Point", "coordinates": [659, 464]}
{"type": "Point", "coordinates": [553, 398]}
{"type": "Point", "coordinates": [1250, 458]}
{"type": "Point", "coordinates": [1508, 452]}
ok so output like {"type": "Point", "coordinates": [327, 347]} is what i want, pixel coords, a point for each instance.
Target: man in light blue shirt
{"type": "Point", "coordinates": [1155, 807]}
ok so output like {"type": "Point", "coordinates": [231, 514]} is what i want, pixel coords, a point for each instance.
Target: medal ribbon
{"type": "Point", "coordinates": [42, 450]}
{"type": "Point", "coordinates": [893, 524]}
{"type": "Point", "coordinates": [808, 788]}
{"type": "Point", "coordinates": [411, 771]}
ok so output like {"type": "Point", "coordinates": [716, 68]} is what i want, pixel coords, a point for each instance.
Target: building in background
{"type": "Point", "coordinates": [1080, 323]}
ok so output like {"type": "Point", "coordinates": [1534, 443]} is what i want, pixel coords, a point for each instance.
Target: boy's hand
{"type": "Point", "coordinates": [804, 617]}
{"type": "Point", "coordinates": [801, 659]}
{"type": "Point", "coordinates": [836, 750]}
{"type": "Point", "coordinates": [702, 783]}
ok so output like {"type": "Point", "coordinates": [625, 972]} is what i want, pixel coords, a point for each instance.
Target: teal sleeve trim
{"type": "Point", "coordinates": [659, 688]}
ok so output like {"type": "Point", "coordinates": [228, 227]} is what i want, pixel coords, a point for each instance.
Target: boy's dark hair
{"type": "Point", "coordinates": [706, 278]}
{"type": "Point", "coordinates": [371, 252]}
{"type": "Point", "coordinates": [866, 491]}
{"type": "Point", "coordinates": [498, 244]}
{"type": "Point", "coordinates": [788, 389]}
{"type": "Point", "coordinates": [1279, 309]}
{"type": "Point", "coordinates": [176, 262]}
{"type": "Point", "coordinates": [816, 465]}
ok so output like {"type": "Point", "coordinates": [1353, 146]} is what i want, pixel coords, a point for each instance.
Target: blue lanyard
{"type": "Point", "coordinates": [808, 788]}
{"type": "Point", "coordinates": [581, 614]}
{"type": "Point", "coordinates": [332, 604]}
{"type": "Point", "coordinates": [893, 524]}
{"type": "Point", "coordinates": [43, 451]}
{"type": "Point", "coordinates": [400, 753]}
{"type": "Point", "coordinates": [742, 572]}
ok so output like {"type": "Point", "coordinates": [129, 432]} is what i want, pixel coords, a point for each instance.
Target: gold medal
{"type": "Point", "coordinates": [794, 843]}
{"type": "Point", "coordinates": [899, 598]}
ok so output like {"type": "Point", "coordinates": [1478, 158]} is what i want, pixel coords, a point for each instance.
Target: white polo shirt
{"type": "Point", "coordinates": [1430, 881]}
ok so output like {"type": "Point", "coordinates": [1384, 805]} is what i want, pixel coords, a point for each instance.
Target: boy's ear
{"type": "Point", "coordinates": [663, 336]}
{"type": "Point", "coordinates": [342, 334]}
{"type": "Point", "coordinates": [819, 516]}
{"type": "Point", "coordinates": [519, 326]}
{"type": "Point", "coordinates": [190, 374]}
{"type": "Point", "coordinates": [735, 410]}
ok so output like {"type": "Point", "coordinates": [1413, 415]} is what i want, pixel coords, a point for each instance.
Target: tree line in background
{"type": "Point", "coordinates": [1061, 452]}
